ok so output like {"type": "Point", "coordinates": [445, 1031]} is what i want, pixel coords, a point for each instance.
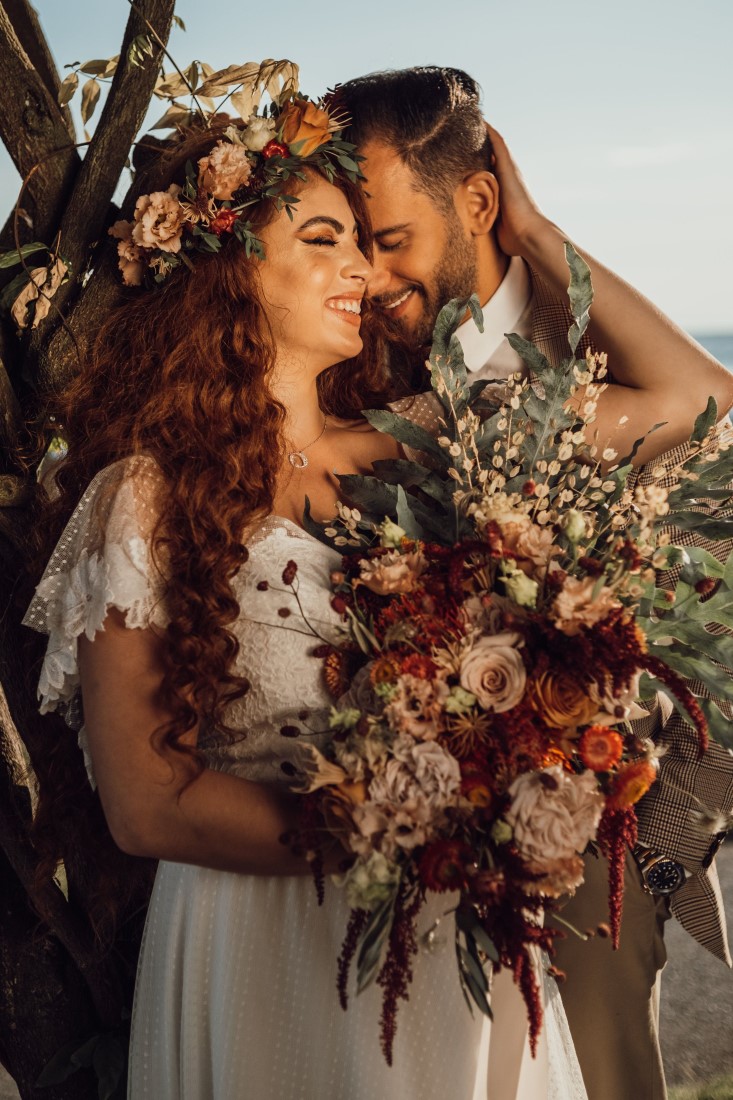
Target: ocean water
{"type": "Point", "coordinates": [720, 345]}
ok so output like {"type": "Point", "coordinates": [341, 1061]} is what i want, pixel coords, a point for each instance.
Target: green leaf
{"type": "Point", "coordinates": [401, 471]}
{"type": "Point", "coordinates": [532, 356]}
{"type": "Point", "coordinates": [12, 290]}
{"type": "Point", "coordinates": [109, 1061]}
{"type": "Point", "coordinates": [580, 293]}
{"type": "Point", "coordinates": [712, 528]}
{"type": "Point", "coordinates": [369, 494]}
{"type": "Point", "coordinates": [406, 518]}
{"type": "Point", "coordinates": [60, 1067]}
{"type": "Point", "coordinates": [404, 431]}
{"type": "Point", "coordinates": [705, 421]}
{"type": "Point", "coordinates": [10, 259]}
{"type": "Point", "coordinates": [373, 943]}
{"type": "Point", "coordinates": [140, 48]}
{"type": "Point", "coordinates": [476, 986]}
{"type": "Point", "coordinates": [628, 459]}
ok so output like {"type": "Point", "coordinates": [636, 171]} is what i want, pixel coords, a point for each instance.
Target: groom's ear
{"type": "Point", "coordinates": [477, 202]}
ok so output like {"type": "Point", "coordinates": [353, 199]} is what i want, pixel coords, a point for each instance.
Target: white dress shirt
{"type": "Point", "coordinates": [488, 354]}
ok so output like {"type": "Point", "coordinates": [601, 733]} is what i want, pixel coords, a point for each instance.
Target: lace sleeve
{"type": "Point", "coordinates": [102, 560]}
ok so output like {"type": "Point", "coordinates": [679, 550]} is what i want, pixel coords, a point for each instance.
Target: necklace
{"type": "Point", "coordinates": [298, 458]}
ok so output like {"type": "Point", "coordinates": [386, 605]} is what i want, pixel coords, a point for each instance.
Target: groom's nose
{"type": "Point", "coordinates": [378, 282]}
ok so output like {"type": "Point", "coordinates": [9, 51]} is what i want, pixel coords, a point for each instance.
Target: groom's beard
{"type": "Point", "coordinates": [454, 276]}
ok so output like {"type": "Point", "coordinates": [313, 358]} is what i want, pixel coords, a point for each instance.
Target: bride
{"type": "Point", "coordinates": [213, 404]}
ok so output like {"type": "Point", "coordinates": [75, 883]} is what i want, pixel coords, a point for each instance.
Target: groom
{"type": "Point", "coordinates": [428, 168]}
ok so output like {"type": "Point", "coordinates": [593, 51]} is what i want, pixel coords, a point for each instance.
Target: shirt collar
{"type": "Point", "coordinates": [501, 314]}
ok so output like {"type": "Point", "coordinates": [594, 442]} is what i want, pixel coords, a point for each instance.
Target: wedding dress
{"type": "Point", "coordinates": [236, 989]}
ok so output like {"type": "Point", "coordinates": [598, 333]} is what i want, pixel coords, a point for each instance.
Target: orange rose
{"type": "Point", "coordinates": [305, 127]}
{"type": "Point", "coordinates": [561, 701]}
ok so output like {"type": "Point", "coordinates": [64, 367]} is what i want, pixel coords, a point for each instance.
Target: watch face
{"type": "Point", "coordinates": [665, 876]}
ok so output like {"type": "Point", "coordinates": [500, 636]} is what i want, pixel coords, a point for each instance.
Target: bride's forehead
{"type": "Point", "coordinates": [321, 197]}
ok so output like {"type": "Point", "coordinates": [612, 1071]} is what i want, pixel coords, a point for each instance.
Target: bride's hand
{"type": "Point", "coordinates": [519, 215]}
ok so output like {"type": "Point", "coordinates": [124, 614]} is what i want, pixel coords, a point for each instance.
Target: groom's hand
{"type": "Point", "coordinates": [519, 215]}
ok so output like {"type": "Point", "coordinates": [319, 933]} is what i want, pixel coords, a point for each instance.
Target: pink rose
{"type": "Point", "coordinates": [493, 670]}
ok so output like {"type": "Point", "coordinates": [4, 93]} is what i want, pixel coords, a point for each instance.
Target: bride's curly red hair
{"type": "Point", "coordinates": [182, 374]}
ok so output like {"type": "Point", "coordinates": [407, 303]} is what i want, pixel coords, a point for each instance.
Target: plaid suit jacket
{"type": "Point", "coordinates": [687, 783]}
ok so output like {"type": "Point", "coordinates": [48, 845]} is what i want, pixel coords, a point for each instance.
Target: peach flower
{"type": "Point", "coordinates": [159, 220]}
{"type": "Point", "coordinates": [417, 708]}
{"type": "Point", "coordinates": [559, 876]}
{"type": "Point", "coordinates": [224, 170]}
{"type": "Point", "coordinates": [392, 572]}
{"type": "Point", "coordinates": [577, 604]}
{"type": "Point", "coordinates": [131, 262]}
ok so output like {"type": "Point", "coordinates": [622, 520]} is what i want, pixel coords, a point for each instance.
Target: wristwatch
{"type": "Point", "coordinates": [662, 875]}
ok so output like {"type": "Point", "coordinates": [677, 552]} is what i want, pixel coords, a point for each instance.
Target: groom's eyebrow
{"type": "Point", "coordinates": [322, 219]}
{"type": "Point", "coordinates": [391, 229]}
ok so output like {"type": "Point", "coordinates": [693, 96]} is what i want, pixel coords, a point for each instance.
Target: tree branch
{"type": "Point", "coordinates": [88, 208]}
{"type": "Point", "coordinates": [32, 126]}
{"type": "Point", "coordinates": [30, 34]}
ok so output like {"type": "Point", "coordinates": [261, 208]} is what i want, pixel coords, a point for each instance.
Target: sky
{"type": "Point", "coordinates": [620, 114]}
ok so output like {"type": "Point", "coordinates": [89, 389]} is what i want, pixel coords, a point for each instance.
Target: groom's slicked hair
{"type": "Point", "coordinates": [432, 118]}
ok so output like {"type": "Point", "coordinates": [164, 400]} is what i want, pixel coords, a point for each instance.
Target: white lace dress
{"type": "Point", "coordinates": [236, 989]}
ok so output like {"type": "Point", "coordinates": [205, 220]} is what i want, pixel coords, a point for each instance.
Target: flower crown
{"type": "Point", "coordinates": [251, 163]}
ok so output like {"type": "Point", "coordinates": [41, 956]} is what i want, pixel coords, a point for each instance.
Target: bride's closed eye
{"type": "Point", "coordinates": [319, 240]}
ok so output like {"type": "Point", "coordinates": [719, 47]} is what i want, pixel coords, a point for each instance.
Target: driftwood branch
{"type": "Point", "coordinates": [34, 131]}
{"type": "Point", "coordinates": [88, 209]}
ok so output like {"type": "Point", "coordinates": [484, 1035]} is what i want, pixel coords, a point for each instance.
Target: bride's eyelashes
{"type": "Point", "coordinates": [319, 240]}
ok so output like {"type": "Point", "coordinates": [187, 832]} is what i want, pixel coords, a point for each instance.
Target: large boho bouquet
{"type": "Point", "coordinates": [504, 619]}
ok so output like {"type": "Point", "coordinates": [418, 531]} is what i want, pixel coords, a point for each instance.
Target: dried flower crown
{"type": "Point", "coordinates": [251, 163]}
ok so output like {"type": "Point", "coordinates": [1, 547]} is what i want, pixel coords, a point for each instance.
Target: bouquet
{"type": "Point", "coordinates": [503, 621]}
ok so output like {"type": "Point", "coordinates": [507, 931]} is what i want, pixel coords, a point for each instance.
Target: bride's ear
{"type": "Point", "coordinates": [477, 202]}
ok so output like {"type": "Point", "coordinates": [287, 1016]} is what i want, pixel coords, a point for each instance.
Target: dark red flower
{"type": "Point", "coordinates": [442, 865]}
{"type": "Point", "coordinates": [289, 572]}
{"type": "Point", "coordinates": [275, 149]}
{"type": "Point", "coordinates": [223, 222]}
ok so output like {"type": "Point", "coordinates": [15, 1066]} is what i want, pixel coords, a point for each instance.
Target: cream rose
{"type": "Point", "coordinates": [553, 814]}
{"type": "Point", "coordinates": [159, 220]}
{"type": "Point", "coordinates": [494, 671]}
{"type": "Point", "coordinates": [224, 170]}
{"type": "Point", "coordinates": [258, 132]}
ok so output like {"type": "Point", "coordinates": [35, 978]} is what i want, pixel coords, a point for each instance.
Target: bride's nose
{"type": "Point", "coordinates": [357, 266]}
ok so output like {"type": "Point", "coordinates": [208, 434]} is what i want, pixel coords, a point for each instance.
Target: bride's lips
{"type": "Point", "coordinates": [347, 307]}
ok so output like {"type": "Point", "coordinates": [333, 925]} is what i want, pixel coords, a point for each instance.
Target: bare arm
{"type": "Point", "coordinates": [218, 820]}
{"type": "Point", "coordinates": [660, 373]}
